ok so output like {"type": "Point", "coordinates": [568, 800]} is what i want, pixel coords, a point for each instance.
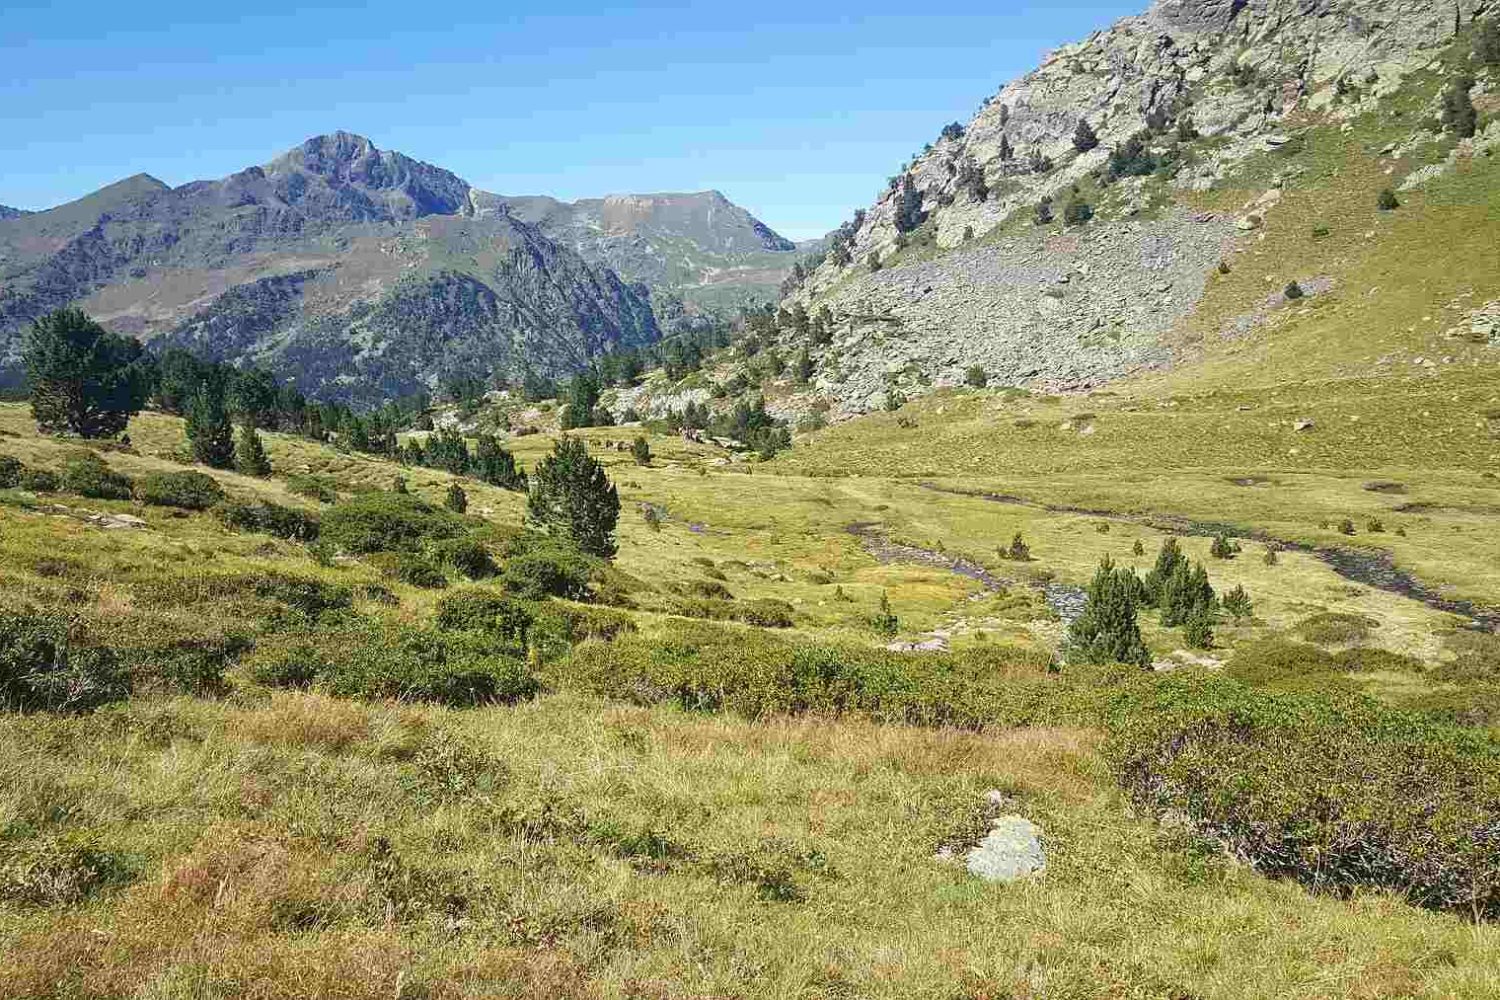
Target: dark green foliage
{"type": "Point", "coordinates": [1084, 137]}
{"type": "Point", "coordinates": [398, 485]}
{"type": "Point", "coordinates": [319, 488]}
{"type": "Point", "coordinates": [45, 667]}
{"type": "Point", "coordinates": [583, 401]}
{"type": "Point", "coordinates": [640, 451]}
{"type": "Point", "coordinates": [455, 499]}
{"type": "Point", "coordinates": [466, 556]}
{"type": "Point", "coordinates": [765, 612]}
{"type": "Point", "coordinates": [367, 659]}
{"type": "Point", "coordinates": [387, 522]}
{"type": "Point", "coordinates": [413, 569]}
{"type": "Point", "coordinates": [1138, 549]}
{"type": "Point", "coordinates": [250, 453]}
{"type": "Point", "coordinates": [1346, 527]}
{"type": "Point", "coordinates": [496, 466]}
{"type": "Point", "coordinates": [59, 870]}
{"type": "Point", "coordinates": [1043, 213]}
{"type": "Point", "coordinates": [1077, 212]}
{"type": "Point", "coordinates": [1131, 158]}
{"type": "Point", "coordinates": [752, 425]}
{"type": "Point", "coordinates": [975, 377]}
{"type": "Point", "coordinates": [1018, 551]}
{"type": "Point", "coordinates": [83, 379]}
{"type": "Point", "coordinates": [1107, 631]}
{"type": "Point", "coordinates": [909, 214]}
{"type": "Point", "coordinates": [88, 475]}
{"type": "Point", "coordinates": [188, 490]}
{"type": "Point", "coordinates": [209, 430]}
{"type": "Point", "coordinates": [884, 621]}
{"type": "Point", "coordinates": [1459, 115]}
{"type": "Point", "coordinates": [187, 666]}
{"type": "Point", "coordinates": [10, 471]}
{"type": "Point", "coordinates": [1168, 561]}
{"type": "Point", "coordinates": [273, 519]}
{"type": "Point", "coordinates": [1237, 603]}
{"type": "Point", "coordinates": [1335, 793]}
{"type": "Point", "coordinates": [1387, 201]}
{"type": "Point", "coordinates": [1487, 42]}
{"type": "Point", "coordinates": [1293, 291]}
{"type": "Point", "coordinates": [38, 480]}
{"type": "Point", "coordinates": [1198, 631]}
{"type": "Point", "coordinates": [522, 627]}
{"type": "Point", "coordinates": [572, 498]}
{"type": "Point", "coordinates": [1270, 558]}
{"type": "Point", "coordinates": [1186, 595]}
{"type": "Point", "coordinates": [1221, 548]}
{"type": "Point", "coordinates": [548, 570]}
{"type": "Point", "coordinates": [447, 450]}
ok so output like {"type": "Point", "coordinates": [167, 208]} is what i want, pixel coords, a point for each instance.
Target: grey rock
{"type": "Point", "coordinates": [1011, 850]}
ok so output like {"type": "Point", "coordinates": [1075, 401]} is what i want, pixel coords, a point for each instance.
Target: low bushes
{"type": "Point", "coordinates": [520, 626]}
{"type": "Point", "coordinates": [765, 612]}
{"type": "Point", "coordinates": [59, 870]}
{"type": "Point", "coordinates": [10, 472]}
{"type": "Point", "coordinates": [188, 490]}
{"type": "Point", "coordinates": [723, 668]}
{"type": "Point", "coordinates": [1336, 793]}
{"type": "Point", "coordinates": [44, 666]}
{"type": "Point", "coordinates": [272, 519]}
{"type": "Point", "coordinates": [368, 659]}
{"type": "Point", "coordinates": [387, 522]}
{"type": "Point", "coordinates": [318, 488]}
{"type": "Point", "coordinates": [546, 569]}
{"type": "Point", "coordinates": [467, 557]}
{"type": "Point", "coordinates": [89, 476]}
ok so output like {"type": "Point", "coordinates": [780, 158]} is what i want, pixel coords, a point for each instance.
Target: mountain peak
{"type": "Point", "coordinates": [353, 165]}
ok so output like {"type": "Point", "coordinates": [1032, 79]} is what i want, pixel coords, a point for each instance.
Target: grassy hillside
{"type": "Point", "coordinates": [670, 812]}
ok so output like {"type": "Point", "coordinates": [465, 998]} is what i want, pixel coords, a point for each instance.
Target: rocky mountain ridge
{"type": "Point", "coordinates": [949, 270]}
{"type": "Point", "coordinates": [355, 272]}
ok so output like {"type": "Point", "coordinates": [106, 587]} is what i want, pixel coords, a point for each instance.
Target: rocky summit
{"type": "Point", "coordinates": [970, 257]}
{"type": "Point", "coordinates": [359, 272]}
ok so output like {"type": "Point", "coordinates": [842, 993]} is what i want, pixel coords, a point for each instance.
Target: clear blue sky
{"type": "Point", "coordinates": [793, 109]}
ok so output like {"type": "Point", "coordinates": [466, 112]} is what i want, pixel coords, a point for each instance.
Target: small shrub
{"type": "Point", "coordinates": [885, 621]}
{"type": "Point", "coordinates": [1077, 212]}
{"type": "Point", "coordinates": [640, 451]}
{"type": "Point", "coordinates": [1387, 202]}
{"type": "Point", "coordinates": [1292, 292]}
{"type": "Point", "coordinates": [1221, 548]}
{"type": "Point", "coordinates": [467, 557]}
{"type": "Point", "coordinates": [317, 488]}
{"type": "Point", "coordinates": [272, 519]}
{"type": "Point", "coordinates": [188, 490]}
{"type": "Point", "coordinates": [387, 522]}
{"type": "Point", "coordinates": [1375, 526]}
{"type": "Point", "coordinates": [1018, 551]}
{"type": "Point", "coordinates": [1269, 558]}
{"type": "Point", "coordinates": [1198, 631]}
{"type": "Point", "coordinates": [413, 570]}
{"type": "Point", "coordinates": [1346, 527]}
{"type": "Point", "coordinates": [1138, 549]}
{"type": "Point", "coordinates": [44, 667]}
{"type": "Point", "coordinates": [1237, 603]}
{"type": "Point", "coordinates": [1336, 629]}
{"type": "Point", "coordinates": [975, 377]}
{"type": "Point", "coordinates": [1107, 631]}
{"type": "Point", "coordinates": [89, 476]}
{"type": "Point", "coordinates": [38, 481]}
{"type": "Point", "coordinates": [456, 499]}
{"type": "Point", "coordinates": [10, 472]}
{"type": "Point", "coordinates": [549, 571]}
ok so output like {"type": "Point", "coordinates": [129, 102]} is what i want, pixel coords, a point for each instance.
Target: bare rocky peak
{"type": "Point", "coordinates": [342, 161]}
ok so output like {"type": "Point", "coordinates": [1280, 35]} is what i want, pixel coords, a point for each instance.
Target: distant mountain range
{"type": "Point", "coordinates": [6, 212]}
{"type": "Point", "coordinates": [359, 273]}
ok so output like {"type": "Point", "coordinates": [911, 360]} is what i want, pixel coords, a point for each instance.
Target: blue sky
{"type": "Point", "coordinates": [798, 111]}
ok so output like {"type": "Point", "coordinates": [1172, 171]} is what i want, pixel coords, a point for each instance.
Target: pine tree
{"type": "Point", "coordinates": [1221, 548]}
{"type": "Point", "coordinates": [1084, 137]}
{"type": "Point", "coordinates": [456, 499]}
{"type": "Point", "coordinates": [1107, 631]}
{"type": "Point", "coordinates": [208, 427]}
{"type": "Point", "coordinates": [1487, 42]}
{"type": "Point", "coordinates": [1237, 603]}
{"type": "Point", "coordinates": [1459, 116]}
{"type": "Point", "coordinates": [250, 453]}
{"type": "Point", "coordinates": [1006, 152]}
{"type": "Point", "coordinates": [1388, 202]}
{"type": "Point", "coordinates": [640, 450]}
{"type": "Point", "coordinates": [496, 466]}
{"type": "Point", "coordinates": [1044, 212]}
{"type": "Point", "coordinates": [1184, 594]}
{"type": "Point", "coordinates": [571, 496]}
{"type": "Point", "coordinates": [1167, 562]}
{"type": "Point", "coordinates": [84, 380]}
{"type": "Point", "coordinates": [909, 214]}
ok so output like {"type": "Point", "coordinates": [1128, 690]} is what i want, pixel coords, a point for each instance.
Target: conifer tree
{"type": "Point", "coordinates": [84, 380]}
{"type": "Point", "coordinates": [1167, 562]}
{"type": "Point", "coordinates": [1107, 631]}
{"type": "Point", "coordinates": [209, 431]}
{"type": "Point", "coordinates": [1084, 137]}
{"type": "Point", "coordinates": [250, 453]}
{"type": "Point", "coordinates": [1459, 116]}
{"type": "Point", "coordinates": [572, 497]}
{"type": "Point", "coordinates": [456, 499]}
{"type": "Point", "coordinates": [640, 450]}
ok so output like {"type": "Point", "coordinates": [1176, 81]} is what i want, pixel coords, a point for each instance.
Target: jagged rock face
{"type": "Point", "coordinates": [6, 212]}
{"type": "Point", "coordinates": [1236, 67]}
{"type": "Point", "coordinates": [354, 272]}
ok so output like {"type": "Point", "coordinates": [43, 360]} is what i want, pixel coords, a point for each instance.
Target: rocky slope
{"type": "Point", "coordinates": [699, 247]}
{"type": "Point", "coordinates": [354, 271]}
{"type": "Point", "coordinates": [950, 269]}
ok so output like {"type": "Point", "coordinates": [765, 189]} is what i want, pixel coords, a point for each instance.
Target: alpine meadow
{"type": "Point", "coordinates": [1075, 577]}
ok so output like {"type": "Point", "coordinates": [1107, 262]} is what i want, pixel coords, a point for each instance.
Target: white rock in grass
{"type": "Point", "coordinates": [1011, 850]}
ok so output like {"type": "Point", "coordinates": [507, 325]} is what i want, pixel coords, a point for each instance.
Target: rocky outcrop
{"type": "Point", "coordinates": [1220, 75]}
